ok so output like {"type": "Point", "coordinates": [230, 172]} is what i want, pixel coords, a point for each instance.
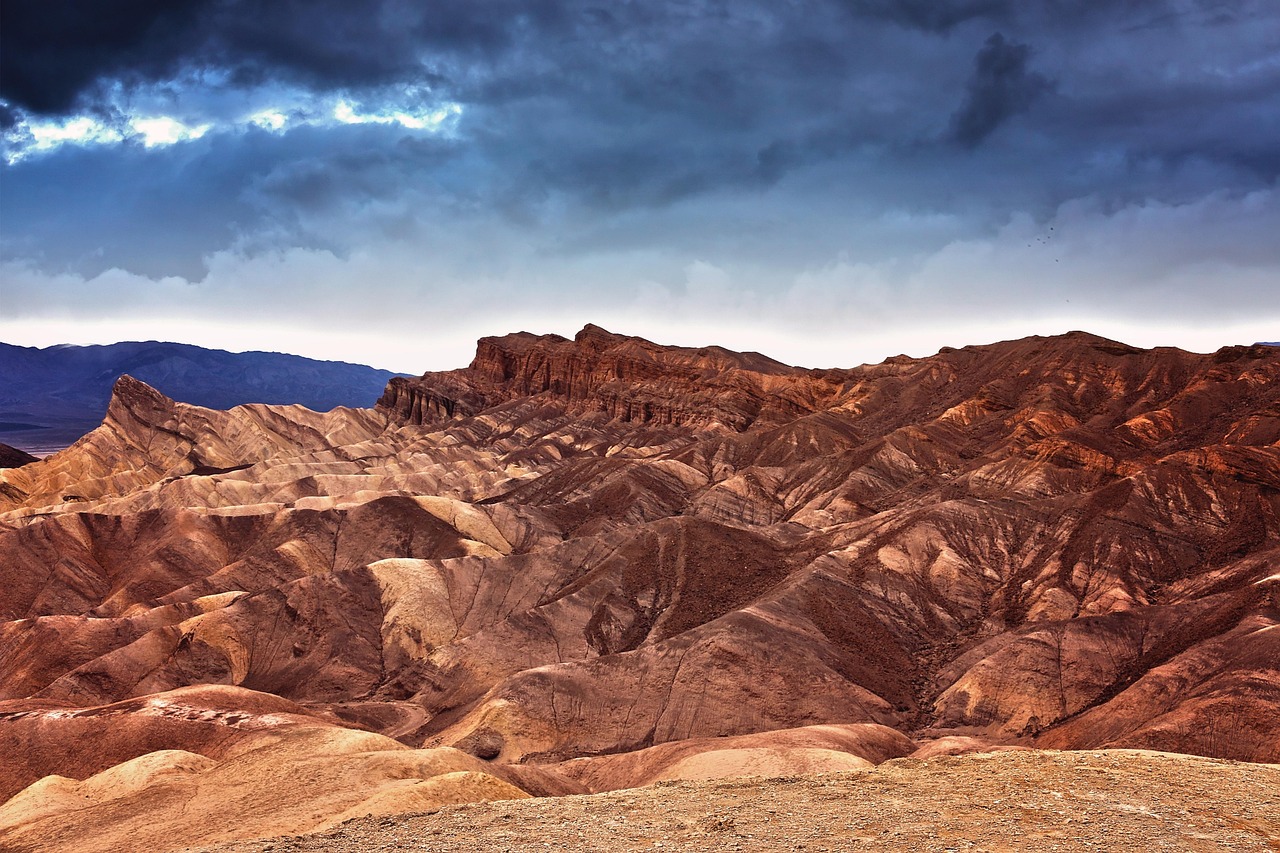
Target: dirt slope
{"type": "Point", "coordinates": [1011, 801]}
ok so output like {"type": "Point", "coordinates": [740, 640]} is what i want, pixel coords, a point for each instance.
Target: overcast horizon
{"type": "Point", "coordinates": [830, 182]}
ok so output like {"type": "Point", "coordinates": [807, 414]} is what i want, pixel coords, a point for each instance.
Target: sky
{"type": "Point", "coordinates": [830, 182]}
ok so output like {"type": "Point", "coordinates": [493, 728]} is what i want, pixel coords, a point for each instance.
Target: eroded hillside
{"type": "Point", "coordinates": [593, 564]}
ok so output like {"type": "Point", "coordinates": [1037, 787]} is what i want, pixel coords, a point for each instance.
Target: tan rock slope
{"type": "Point", "coordinates": [598, 563]}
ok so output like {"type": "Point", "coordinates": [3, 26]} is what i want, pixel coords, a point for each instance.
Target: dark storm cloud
{"type": "Point", "coordinates": [932, 15]}
{"type": "Point", "coordinates": [52, 50]}
{"type": "Point", "coordinates": [1001, 87]}
{"type": "Point", "coordinates": [54, 53]}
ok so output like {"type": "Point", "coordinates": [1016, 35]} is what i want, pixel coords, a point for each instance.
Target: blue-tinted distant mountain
{"type": "Point", "coordinates": [1267, 344]}
{"type": "Point", "coordinates": [50, 397]}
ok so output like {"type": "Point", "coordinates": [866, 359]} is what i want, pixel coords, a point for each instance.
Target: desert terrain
{"type": "Point", "coordinates": [606, 583]}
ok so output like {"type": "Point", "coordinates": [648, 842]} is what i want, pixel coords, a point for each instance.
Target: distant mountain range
{"type": "Point", "coordinates": [50, 397]}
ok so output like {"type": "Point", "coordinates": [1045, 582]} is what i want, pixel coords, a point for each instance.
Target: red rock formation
{"type": "Point", "coordinates": [628, 379]}
{"type": "Point", "coordinates": [608, 551]}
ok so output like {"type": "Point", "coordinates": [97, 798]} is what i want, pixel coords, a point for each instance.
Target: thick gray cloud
{"type": "Point", "coordinates": [932, 15]}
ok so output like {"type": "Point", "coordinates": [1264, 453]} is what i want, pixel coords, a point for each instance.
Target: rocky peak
{"type": "Point", "coordinates": [133, 400]}
{"type": "Point", "coordinates": [592, 338]}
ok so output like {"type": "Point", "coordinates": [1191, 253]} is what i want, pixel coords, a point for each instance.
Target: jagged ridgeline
{"type": "Point", "coordinates": [579, 565]}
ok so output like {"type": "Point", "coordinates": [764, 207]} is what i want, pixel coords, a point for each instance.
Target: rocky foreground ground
{"type": "Point", "coordinates": [1026, 800]}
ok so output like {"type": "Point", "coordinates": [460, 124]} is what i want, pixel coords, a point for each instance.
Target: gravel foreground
{"type": "Point", "coordinates": [1009, 801]}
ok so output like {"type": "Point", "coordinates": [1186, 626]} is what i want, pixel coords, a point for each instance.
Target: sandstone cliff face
{"type": "Point", "coordinates": [591, 562]}
{"type": "Point", "coordinates": [628, 379]}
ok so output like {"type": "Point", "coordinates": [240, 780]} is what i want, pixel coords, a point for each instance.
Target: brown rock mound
{"type": "Point", "coordinates": [303, 779]}
{"type": "Point", "coordinates": [784, 752]}
{"type": "Point", "coordinates": [12, 457]}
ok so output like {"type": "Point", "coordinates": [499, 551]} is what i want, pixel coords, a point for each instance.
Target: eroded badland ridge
{"type": "Point", "coordinates": [585, 565]}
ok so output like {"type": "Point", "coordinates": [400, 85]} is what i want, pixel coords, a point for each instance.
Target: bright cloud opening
{"type": "Point", "coordinates": [269, 119]}
{"type": "Point", "coordinates": [163, 130]}
{"type": "Point", "coordinates": [46, 136]}
{"type": "Point", "coordinates": [432, 120]}
{"type": "Point", "coordinates": [28, 137]}
{"type": "Point", "coordinates": [83, 130]}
